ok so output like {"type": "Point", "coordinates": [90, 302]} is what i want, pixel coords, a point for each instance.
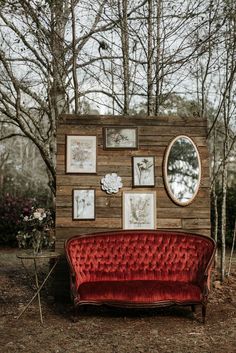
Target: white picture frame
{"type": "Point", "coordinates": [83, 204]}
{"type": "Point", "coordinates": [143, 171]}
{"type": "Point", "coordinates": [81, 154]}
{"type": "Point", "coordinates": [139, 210]}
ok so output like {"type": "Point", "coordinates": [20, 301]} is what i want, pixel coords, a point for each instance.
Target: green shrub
{"type": "Point", "coordinates": [11, 211]}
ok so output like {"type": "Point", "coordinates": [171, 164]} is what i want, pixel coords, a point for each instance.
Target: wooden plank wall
{"type": "Point", "coordinates": [155, 133]}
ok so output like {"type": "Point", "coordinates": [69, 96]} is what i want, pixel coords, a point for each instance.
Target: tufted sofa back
{"type": "Point", "coordinates": [139, 255]}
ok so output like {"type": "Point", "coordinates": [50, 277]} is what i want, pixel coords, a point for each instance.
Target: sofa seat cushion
{"type": "Point", "coordinates": [139, 291]}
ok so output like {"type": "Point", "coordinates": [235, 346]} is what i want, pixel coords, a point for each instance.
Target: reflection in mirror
{"type": "Point", "coordinates": [182, 170]}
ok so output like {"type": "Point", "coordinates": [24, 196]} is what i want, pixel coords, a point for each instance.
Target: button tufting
{"type": "Point", "coordinates": [159, 255]}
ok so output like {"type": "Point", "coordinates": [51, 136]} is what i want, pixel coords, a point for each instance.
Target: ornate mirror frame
{"type": "Point", "coordinates": [165, 171]}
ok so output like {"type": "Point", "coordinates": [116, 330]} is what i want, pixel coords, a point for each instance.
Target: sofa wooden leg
{"type": "Point", "coordinates": [75, 315]}
{"type": "Point", "coordinates": [204, 313]}
{"type": "Point", "coordinates": [193, 307]}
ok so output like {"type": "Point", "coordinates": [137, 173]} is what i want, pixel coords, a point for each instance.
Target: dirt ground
{"type": "Point", "coordinates": [106, 330]}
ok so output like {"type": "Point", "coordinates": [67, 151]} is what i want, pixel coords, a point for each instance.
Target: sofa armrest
{"type": "Point", "coordinates": [204, 282]}
{"type": "Point", "coordinates": [73, 276]}
{"type": "Point", "coordinates": [205, 285]}
{"type": "Point", "coordinates": [73, 287]}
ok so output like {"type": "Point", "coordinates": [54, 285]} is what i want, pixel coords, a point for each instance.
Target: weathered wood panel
{"type": "Point", "coordinates": [154, 136]}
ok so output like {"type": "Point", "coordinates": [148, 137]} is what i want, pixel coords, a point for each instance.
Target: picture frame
{"type": "Point", "coordinates": [83, 201]}
{"type": "Point", "coordinates": [121, 137]}
{"type": "Point", "coordinates": [81, 154]}
{"type": "Point", "coordinates": [143, 168]}
{"type": "Point", "coordinates": [139, 210]}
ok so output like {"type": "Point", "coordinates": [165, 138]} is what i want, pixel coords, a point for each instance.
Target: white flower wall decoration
{"type": "Point", "coordinates": [111, 183]}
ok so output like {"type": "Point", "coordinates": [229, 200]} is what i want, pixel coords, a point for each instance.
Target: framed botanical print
{"type": "Point", "coordinates": [83, 204]}
{"type": "Point", "coordinates": [120, 137]}
{"type": "Point", "coordinates": [81, 154]}
{"type": "Point", "coordinates": [143, 171]}
{"type": "Point", "coordinates": [139, 210]}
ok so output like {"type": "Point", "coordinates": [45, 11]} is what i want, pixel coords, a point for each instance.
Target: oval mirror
{"type": "Point", "coordinates": [182, 170]}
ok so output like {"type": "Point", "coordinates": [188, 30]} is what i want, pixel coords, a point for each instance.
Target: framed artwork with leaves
{"type": "Point", "coordinates": [143, 171]}
{"type": "Point", "coordinates": [120, 137]}
{"type": "Point", "coordinates": [139, 210]}
{"type": "Point", "coordinates": [81, 154]}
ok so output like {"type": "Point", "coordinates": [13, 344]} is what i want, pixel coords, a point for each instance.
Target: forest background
{"type": "Point", "coordinates": [120, 57]}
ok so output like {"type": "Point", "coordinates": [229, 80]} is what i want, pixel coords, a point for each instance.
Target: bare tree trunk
{"type": "Point", "coordinates": [207, 67]}
{"type": "Point", "coordinates": [74, 65]}
{"type": "Point", "coordinates": [158, 57]}
{"type": "Point", "coordinates": [216, 215]}
{"type": "Point", "coordinates": [150, 59]}
{"type": "Point", "coordinates": [232, 250]}
{"type": "Point", "coordinates": [125, 52]}
{"type": "Point", "coordinates": [58, 94]}
{"type": "Point", "coordinates": [224, 180]}
{"type": "Point", "coordinates": [215, 198]}
{"type": "Point", "coordinates": [112, 78]}
{"type": "Point", "coordinates": [223, 219]}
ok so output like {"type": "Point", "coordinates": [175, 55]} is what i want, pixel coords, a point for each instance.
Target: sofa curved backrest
{"type": "Point", "coordinates": [139, 255]}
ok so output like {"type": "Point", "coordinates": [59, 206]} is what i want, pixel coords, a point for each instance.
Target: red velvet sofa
{"type": "Point", "coordinates": [146, 268]}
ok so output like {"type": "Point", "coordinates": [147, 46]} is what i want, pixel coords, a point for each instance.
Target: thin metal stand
{"type": "Point", "coordinates": [38, 286]}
